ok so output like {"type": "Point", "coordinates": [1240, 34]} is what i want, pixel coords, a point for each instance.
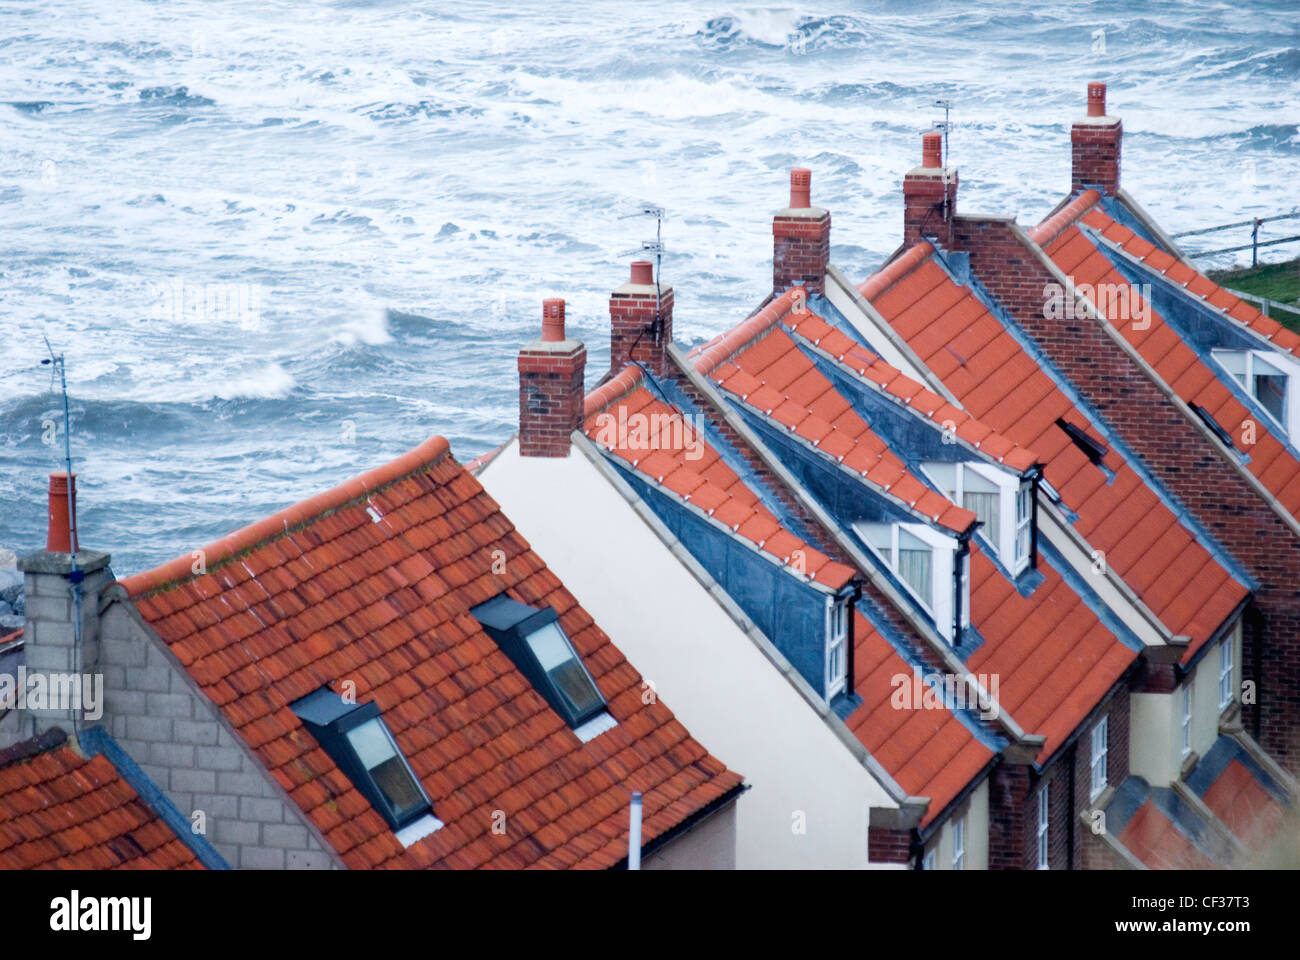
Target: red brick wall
{"type": "Point", "coordinates": [888, 846]}
{"type": "Point", "coordinates": [1011, 818]}
{"type": "Point", "coordinates": [923, 207]}
{"type": "Point", "coordinates": [1178, 454]}
{"type": "Point", "coordinates": [1095, 156]}
{"type": "Point", "coordinates": [1117, 768]}
{"type": "Point", "coordinates": [633, 335]}
{"type": "Point", "coordinates": [550, 399]}
{"type": "Point", "coordinates": [801, 249]}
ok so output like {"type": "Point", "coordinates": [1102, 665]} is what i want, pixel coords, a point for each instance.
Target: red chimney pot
{"type": "Point", "coordinates": [932, 150]}
{"type": "Point", "coordinates": [1096, 99]}
{"type": "Point", "coordinates": [800, 188]}
{"type": "Point", "coordinates": [62, 536]}
{"type": "Point", "coordinates": [643, 273]}
{"type": "Point", "coordinates": [553, 320]}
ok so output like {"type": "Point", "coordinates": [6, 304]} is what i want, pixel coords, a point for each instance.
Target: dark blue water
{"type": "Point", "coordinates": [392, 188]}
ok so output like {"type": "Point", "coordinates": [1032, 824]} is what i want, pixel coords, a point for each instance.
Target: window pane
{"type": "Point", "coordinates": [564, 668]}
{"type": "Point", "coordinates": [379, 756]}
{"type": "Point", "coordinates": [1270, 391]}
{"type": "Point", "coordinates": [914, 568]}
{"type": "Point", "coordinates": [985, 508]}
{"type": "Point", "coordinates": [1234, 361]}
{"type": "Point", "coordinates": [371, 744]}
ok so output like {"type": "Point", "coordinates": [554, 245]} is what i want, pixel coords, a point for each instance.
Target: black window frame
{"type": "Point", "coordinates": [510, 623]}
{"type": "Point", "coordinates": [332, 735]}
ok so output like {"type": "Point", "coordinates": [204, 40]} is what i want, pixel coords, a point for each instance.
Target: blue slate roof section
{"type": "Point", "coordinates": [1122, 215]}
{"type": "Point", "coordinates": [1135, 791]}
{"type": "Point", "coordinates": [671, 392]}
{"type": "Point", "coordinates": [1216, 759]}
{"type": "Point", "coordinates": [1110, 437]}
{"type": "Point", "coordinates": [1203, 329]}
{"type": "Point", "coordinates": [790, 611]}
{"type": "Point", "coordinates": [95, 740]}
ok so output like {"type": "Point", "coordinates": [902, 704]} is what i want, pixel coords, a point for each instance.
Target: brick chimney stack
{"type": "Point", "coordinates": [550, 387]}
{"type": "Point", "coordinates": [801, 239]}
{"type": "Point", "coordinates": [1095, 142]}
{"type": "Point", "coordinates": [929, 195]}
{"type": "Point", "coordinates": [640, 321]}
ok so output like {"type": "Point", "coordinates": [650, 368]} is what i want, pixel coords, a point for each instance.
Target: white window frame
{"type": "Point", "coordinates": [1043, 824]}
{"type": "Point", "coordinates": [1024, 531]}
{"type": "Point", "coordinates": [1005, 539]}
{"type": "Point", "coordinates": [959, 843]}
{"type": "Point", "coordinates": [837, 646]}
{"type": "Point", "coordinates": [1227, 691]}
{"type": "Point", "coordinates": [927, 860]}
{"type": "Point", "coordinates": [1186, 724]}
{"type": "Point", "coordinates": [943, 557]}
{"type": "Point", "coordinates": [1097, 763]}
{"type": "Point", "coordinates": [1290, 403]}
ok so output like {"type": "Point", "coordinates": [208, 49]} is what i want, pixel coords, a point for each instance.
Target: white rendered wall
{"type": "Point", "coordinates": [810, 796]}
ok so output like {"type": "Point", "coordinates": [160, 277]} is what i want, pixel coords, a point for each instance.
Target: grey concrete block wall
{"type": "Point", "coordinates": [156, 712]}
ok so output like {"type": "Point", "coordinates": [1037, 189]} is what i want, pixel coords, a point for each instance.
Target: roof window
{"type": "Point", "coordinates": [357, 739]}
{"type": "Point", "coordinates": [1263, 380]}
{"type": "Point", "coordinates": [539, 647]}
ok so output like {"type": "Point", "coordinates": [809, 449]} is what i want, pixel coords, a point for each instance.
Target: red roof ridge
{"type": "Point", "coordinates": [1049, 229]}
{"type": "Point", "coordinates": [615, 388]}
{"type": "Point", "coordinates": [244, 539]}
{"type": "Point", "coordinates": [892, 272]}
{"type": "Point", "coordinates": [738, 337]}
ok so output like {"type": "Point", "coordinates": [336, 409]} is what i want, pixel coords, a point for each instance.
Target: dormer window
{"type": "Point", "coordinates": [360, 743]}
{"type": "Point", "coordinates": [1263, 380]}
{"type": "Point", "coordinates": [925, 562]}
{"type": "Point", "coordinates": [1002, 502]}
{"type": "Point", "coordinates": [837, 646]}
{"type": "Point", "coordinates": [539, 647]}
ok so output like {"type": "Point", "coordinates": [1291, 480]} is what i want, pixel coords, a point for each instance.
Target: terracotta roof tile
{"type": "Point", "coordinates": [60, 810]}
{"type": "Point", "coordinates": [386, 605]}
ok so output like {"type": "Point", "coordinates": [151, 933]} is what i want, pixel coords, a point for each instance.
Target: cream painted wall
{"type": "Point", "coordinates": [1155, 724]}
{"type": "Point", "coordinates": [977, 833]}
{"type": "Point", "coordinates": [808, 806]}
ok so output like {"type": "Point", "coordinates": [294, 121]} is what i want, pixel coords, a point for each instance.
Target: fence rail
{"type": "Point", "coordinates": [1266, 306]}
{"type": "Point", "coordinates": [1255, 242]}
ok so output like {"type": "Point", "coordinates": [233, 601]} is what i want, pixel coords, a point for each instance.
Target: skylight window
{"type": "Point", "coordinates": [1092, 449]}
{"type": "Point", "coordinates": [539, 647]}
{"type": "Point", "coordinates": [1263, 380]}
{"type": "Point", "coordinates": [357, 739]}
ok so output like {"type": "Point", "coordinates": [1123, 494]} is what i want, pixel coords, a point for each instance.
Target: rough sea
{"type": "Point", "coordinates": [281, 242]}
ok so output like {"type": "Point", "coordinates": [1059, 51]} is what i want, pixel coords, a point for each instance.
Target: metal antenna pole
{"type": "Point", "coordinates": [75, 575]}
{"type": "Point", "coordinates": [945, 125]}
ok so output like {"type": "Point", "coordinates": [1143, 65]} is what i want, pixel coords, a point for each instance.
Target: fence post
{"type": "Point", "coordinates": [1254, 244]}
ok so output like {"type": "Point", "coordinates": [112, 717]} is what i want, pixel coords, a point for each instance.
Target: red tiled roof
{"type": "Point", "coordinates": [60, 810]}
{"type": "Point", "coordinates": [11, 637]}
{"type": "Point", "coordinates": [1053, 655]}
{"type": "Point", "coordinates": [1244, 806]}
{"type": "Point", "coordinates": [997, 381]}
{"type": "Point", "coordinates": [1157, 842]}
{"type": "Point", "coordinates": [322, 592]}
{"type": "Point", "coordinates": [661, 454]}
{"type": "Point", "coordinates": [1176, 363]}
{"type": "Point", "coordinates": [930, 753]}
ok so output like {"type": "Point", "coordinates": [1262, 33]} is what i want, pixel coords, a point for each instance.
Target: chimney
{"type": "Point", "coordinates": [550, 387]}
{"type": "Point", "coordinates": [801, 239]}
{"type": "Point", "coordinates": [929, 195]}
{"type": "Point", "coordinates": [58, 587]}
{"type": "Point", "coordinates": [640, 321]}
{"type": "Point", "coordinates": [1094, 143]}
{"type": "Point", "coordinates": [62, 534]}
